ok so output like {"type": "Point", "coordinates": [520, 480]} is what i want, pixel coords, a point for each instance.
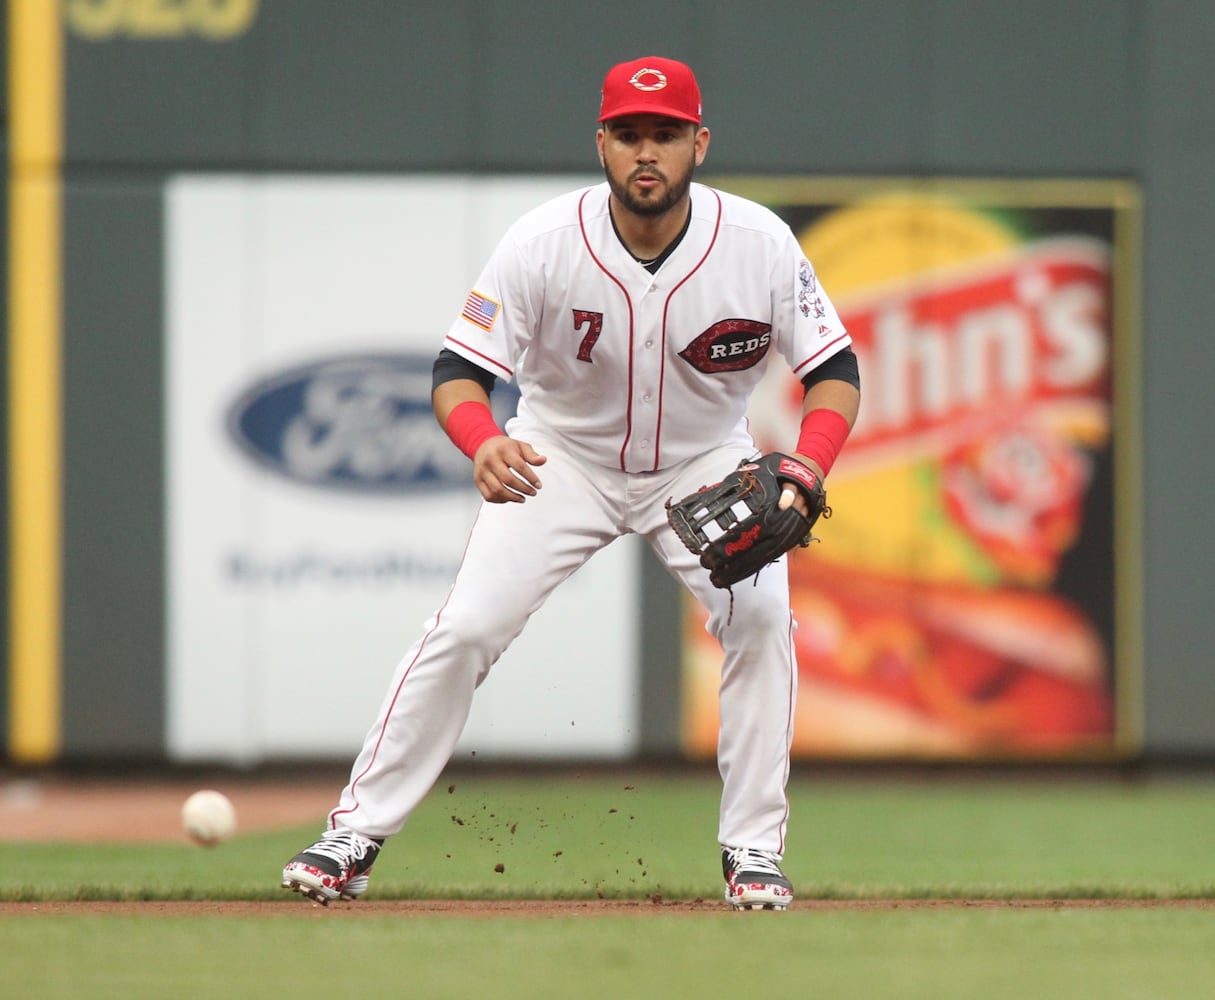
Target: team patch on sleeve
{"type": "Point", "coordinates": [809, 299]}
{"type": "Point", "coordinates": [481, 311]}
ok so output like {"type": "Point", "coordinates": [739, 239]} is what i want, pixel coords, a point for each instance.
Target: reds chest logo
{"type": "Point", "coordinates": [730, 345]}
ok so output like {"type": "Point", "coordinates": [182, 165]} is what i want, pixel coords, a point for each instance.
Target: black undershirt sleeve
{"type": "Point", "coordinates": [841, 367]}
{"type": "Point", "coordinates": [450, 366]}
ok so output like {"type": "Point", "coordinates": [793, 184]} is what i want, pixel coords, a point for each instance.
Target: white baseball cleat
{"type": "Point", "coordinates": [754, 880]}
{"type": "Point", "coordinates": [338, 866]}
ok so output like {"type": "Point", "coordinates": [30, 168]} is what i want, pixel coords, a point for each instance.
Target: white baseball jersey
{"type": "Point", "coordinates": [639, 371]}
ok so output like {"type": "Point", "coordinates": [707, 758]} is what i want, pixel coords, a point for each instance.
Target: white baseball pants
{"type": "Point", "coordinates": [515, 556]}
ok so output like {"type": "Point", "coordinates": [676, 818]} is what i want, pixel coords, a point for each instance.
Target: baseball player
{"type": "Point", "coordinates": [636, 318]}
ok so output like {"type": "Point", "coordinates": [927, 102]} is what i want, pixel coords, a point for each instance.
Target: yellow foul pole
{"type": "Point", "coordinates": [35, 83]}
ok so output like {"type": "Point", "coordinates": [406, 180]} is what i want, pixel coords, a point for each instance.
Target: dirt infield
{"type": "Point", "coordinates": [295, 907]}
{"type": "Point", "coordinates": [99, 810]}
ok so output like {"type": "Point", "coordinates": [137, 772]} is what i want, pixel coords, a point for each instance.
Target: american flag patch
{"type": "Point", "coordinates": [480, 311]}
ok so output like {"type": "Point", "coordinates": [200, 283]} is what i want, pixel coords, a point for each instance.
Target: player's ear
{"type": "Point", "coordinates": [702, 144]}
{"type": "Point", "coordinates": [599, 136]}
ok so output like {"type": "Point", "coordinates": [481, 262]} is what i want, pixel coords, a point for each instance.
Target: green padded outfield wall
{"type": "Point", "coordinates": [1122, 89]}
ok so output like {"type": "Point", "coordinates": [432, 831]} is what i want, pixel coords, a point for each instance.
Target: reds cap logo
{"type": "Point", "coordinates": [648, 79]}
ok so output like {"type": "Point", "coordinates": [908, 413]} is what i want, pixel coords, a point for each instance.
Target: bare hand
{"type": "Point", "coordinates": [502, 470]}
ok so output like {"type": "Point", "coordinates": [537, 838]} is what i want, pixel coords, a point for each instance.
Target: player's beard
{"type": "Point", "coordinates": [662, 200]}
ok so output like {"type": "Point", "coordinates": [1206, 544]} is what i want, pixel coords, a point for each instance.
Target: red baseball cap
{"type": "Point", "coordinates": [650, 86]}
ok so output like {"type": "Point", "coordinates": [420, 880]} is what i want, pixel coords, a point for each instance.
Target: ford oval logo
{"type": "Point", "coordinates": [361, 423]}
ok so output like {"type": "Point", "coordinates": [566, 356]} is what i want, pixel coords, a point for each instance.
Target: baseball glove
{"type": "Point", "coordinates": [745, 530]}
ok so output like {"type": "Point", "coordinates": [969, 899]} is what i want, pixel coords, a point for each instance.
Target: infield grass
{"type": "Point", "coordinates": [954, 953]}
{"type": "Point", "coordinates": [633, 836]}
{"type": "Point", "coordinates": [653, 834]}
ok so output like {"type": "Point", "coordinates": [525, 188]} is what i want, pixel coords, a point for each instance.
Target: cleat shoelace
{"type": "Point", "coordinates": [743, 859]}
{"type": "Point", "coordinates": [343, 846]}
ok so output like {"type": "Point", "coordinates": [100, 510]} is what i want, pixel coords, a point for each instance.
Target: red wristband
{"type": "Point", "coordinates": [470, 425]}
{"type": "Point", "coordinates": [823, 435]}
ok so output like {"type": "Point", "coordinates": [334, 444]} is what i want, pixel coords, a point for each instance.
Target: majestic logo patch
{"type": "Point", "coordinates": [357, 423]}
{"type": "Point", "coordinates": [731, 345]}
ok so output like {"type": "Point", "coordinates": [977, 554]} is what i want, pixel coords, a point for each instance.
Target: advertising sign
{"type": "Point", "coordinates": [317, 513]}
{"type": "Point", "coordinates": [975, 591]}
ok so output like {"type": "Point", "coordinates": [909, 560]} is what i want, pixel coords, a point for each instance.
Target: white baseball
{"type": "Point", "coordinates": [209, 818]}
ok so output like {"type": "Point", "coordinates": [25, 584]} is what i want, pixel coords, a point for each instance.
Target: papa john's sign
{"type": "Point", "coordinates": [976, 593]}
